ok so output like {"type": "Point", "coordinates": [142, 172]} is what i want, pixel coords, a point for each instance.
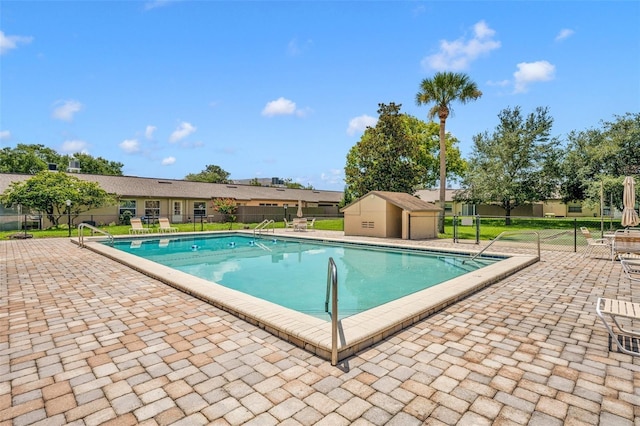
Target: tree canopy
{"type": "Point", "coordinates": [47, 192]}
{"type": "Point", "coordinates": [30, 159]}
{"type": "Point", "coordinates": [398, 154]}
{"type": "Point", "coordinates": [598, 160]}
{"type": "Point", "coordinates": [516, 164]}
{"type": "Point", "coordinates": [211, 174]}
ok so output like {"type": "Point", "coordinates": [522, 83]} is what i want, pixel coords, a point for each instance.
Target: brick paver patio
{"type": "Point", "coordinates": [87, 341]}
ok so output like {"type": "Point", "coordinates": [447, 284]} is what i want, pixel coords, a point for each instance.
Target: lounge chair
{"type": "Point", "coordinates": [626, 241]}
{"type": "Point", "coordinates": [627, 342]}
{"type": "Point", "coordinates": [136, 226]}
{"type": "Point", "coordinates": [594, 244]}
{"type": "Point", "coordinates": [631, 268]}
{"type": "Point", "coordinates": [165, 225]}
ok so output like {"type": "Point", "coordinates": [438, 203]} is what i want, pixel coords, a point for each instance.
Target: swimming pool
{"type": "Point", "coordinates": [293, 272]}
{"type": "Point", "coordinates": [357, 331]}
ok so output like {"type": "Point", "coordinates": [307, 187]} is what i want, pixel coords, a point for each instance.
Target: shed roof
{"type": "Point", "coordinates": [131, 186]}
{"type": "Point", "coordinates": [402, 200]}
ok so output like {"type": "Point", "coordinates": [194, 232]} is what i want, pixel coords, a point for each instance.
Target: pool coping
{"type": "Point", "coordinates": [355, 332]}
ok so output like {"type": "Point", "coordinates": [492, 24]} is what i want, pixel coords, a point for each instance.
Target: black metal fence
{"type": "Point", "coordinates": [243, 214]}
{"type": "Point", "coordinates": [560, 234]}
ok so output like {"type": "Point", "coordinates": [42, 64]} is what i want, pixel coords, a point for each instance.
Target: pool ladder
{"type": "Point", "coordinates": [93, 229]}
{"type": "Point", "coordinates": [332, 290]}
{"type": "Point", "coordinates": [264, 226]}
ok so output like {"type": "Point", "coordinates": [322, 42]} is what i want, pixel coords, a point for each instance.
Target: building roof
{"type": "Point", "coordinates": [402, 200]}
{"type": "Point", "coordinates": [142, 187]}
{"type": "Point", "coordinates": [433, 195]}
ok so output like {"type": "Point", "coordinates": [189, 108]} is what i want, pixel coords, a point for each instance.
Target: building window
{"type": "Point", "coordinates": [269, 204]}
{"type": "Point", "coordinates": [575, 209]}
{"type": "Point", "coordinates": [127, 206]}
{"type": "Point", "coordinates": [199, 209]}
{"type": "Point", "coordinates": [448, 207]}
{"type": "Point", "coordinates": [152, 208]}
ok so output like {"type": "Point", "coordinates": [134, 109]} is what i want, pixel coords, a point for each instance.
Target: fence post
{"type": "Point", "coordinates": [575, 235]}
{"type": "Point", "coordinates": [455, 228]}
{"type": "Point", "coordinates": [478, 229]}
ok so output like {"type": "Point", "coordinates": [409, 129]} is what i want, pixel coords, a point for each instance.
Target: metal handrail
{"type": "Point", "coordinates": [93, 228]}
{"type": "Point", "coordinates": [503, 234]}
{"type": "Point", "coordinates": [332, 287]}
{"type": "Point", "coordinates": [263, 225]}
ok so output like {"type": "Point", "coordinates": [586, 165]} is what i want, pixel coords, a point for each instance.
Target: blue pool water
{"type": "Point", "coordinates": [293, 273]}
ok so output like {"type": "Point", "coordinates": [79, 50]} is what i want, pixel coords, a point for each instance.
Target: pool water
{"type": "Point", "coordinates": [293, 273]}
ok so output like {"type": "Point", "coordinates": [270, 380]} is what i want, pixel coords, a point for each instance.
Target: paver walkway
{"type": "Point", "coordinates": [87, 341]}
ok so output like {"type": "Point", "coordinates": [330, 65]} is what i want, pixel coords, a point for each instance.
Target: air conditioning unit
{"type": "Point", "coordinates": [74, 166]}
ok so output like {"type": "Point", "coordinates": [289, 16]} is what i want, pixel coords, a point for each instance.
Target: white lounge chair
{"type": "Point", "coordinates": [627, 342]}
{"type": "Point", "coordinates": [165, 225]}
{"type": "Point", "coordinates": [594, 244]}
{"type": "Point", "coordinates": [136, 226]}
{"type": "Point", "coordinates": [631, 268]}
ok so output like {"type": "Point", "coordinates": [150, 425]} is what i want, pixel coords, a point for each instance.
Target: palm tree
{"type": "Point", "coordinates": [442, 90]}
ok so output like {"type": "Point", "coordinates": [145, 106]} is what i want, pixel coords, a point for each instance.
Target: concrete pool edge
{"type": "Point", "coordinates": [356, 332]}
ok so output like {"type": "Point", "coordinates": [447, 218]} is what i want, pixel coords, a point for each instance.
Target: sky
{"type": "Point", "coordinates": [286, 88]}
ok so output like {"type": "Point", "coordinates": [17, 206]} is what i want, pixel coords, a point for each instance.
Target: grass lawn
{"type": "Point", "coordinates": [63, 231]}
{"type": "Point", "coordinates": [560, 231]}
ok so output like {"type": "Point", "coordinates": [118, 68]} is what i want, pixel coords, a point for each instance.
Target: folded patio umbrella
{"type": "Point", "coordinates": [629, 214]}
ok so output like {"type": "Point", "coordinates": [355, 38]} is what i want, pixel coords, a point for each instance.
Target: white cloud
{"type": "Point", "coordinates": [333, 177]}
{"type": "Point", "coordinates": [564, 33]}
{"type": "Point", "coordinates": [65, 110]}
{"type": "Point", "coordinates": [168, 161]}
{"type": "Point", "coordinates": [5, 135]}
{"type": "Point", "coordinates": [130, 146]}
{"type": "Point", "coordinates": [359, 124]}
{"type": "Point", "coordinates": [11, 42]}
{"type": "Point", "coordinates": [280, 106]}
{"type": "Point", "coordinates": [501, 83]}
{"type": "Point", "coordinates": [184, 129]}
{"type": "Point", "coordinates": [156, 3]}
{"type": "Point", "coordinates": [294, 48]}
{"type": "Point", "coordinates": [458, 54]}
{"type": "Point", "coordinates": [148, 132]}
{"type": "Point", "coordinates": [532, 72]}
{"type": "Point", "coordinates": [74, 146]}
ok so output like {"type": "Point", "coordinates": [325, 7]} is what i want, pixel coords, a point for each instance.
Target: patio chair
{"type": "Point", "coordinates": [287, 224]}
{"type": "Point", "coordinates": [627, 342]}
{"type": "Point", "coordinates": [631, 268]}
{"type": "Point", "coordinates": [311, 224]}
{"type": "Point", "coordinates": [165, 225]}
{"type": "Point", "coordinates": [594, 244]}
{"type": "Point", "coordinates": [136, 226]}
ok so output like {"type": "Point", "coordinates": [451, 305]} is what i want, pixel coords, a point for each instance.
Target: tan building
{"type": "Point", "coordinates": [391, 215]}
{"type": "Point", "coordinates": [185, 201]}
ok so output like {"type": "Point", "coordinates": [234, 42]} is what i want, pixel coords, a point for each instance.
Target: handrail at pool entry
{"type": "Point", "coordinates": [332, 286]}
{"type": "Point", "coordinates": [502, 234]}
{"type": "Point", "coordinates": [263, 225]}
{"type": "Point", "coordinates": [93, 228]}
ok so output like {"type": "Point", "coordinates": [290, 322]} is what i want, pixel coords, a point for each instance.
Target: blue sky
{"type": "Point", "coordinates": [286, 88]}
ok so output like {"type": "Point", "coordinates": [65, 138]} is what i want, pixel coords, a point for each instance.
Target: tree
{"type": "Point", "coordinates": [598, 159]}
{"type": "Point", "coordinates": [226, 207]}
{"type": "Point", "coordinates": [516, 164]}
{"type": "Point", "coordinates": [95, 165]}
{"type": "Point", "coordinates": [211, 174]}
{"type": "Point", "coordinates": [47, 192]}
{"type": "Point", "coordinates": [27, 159]}
{"type": "Point", "coordinates": [442, 90]}
{"type": "Point", "coordinates": [388, 157]}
